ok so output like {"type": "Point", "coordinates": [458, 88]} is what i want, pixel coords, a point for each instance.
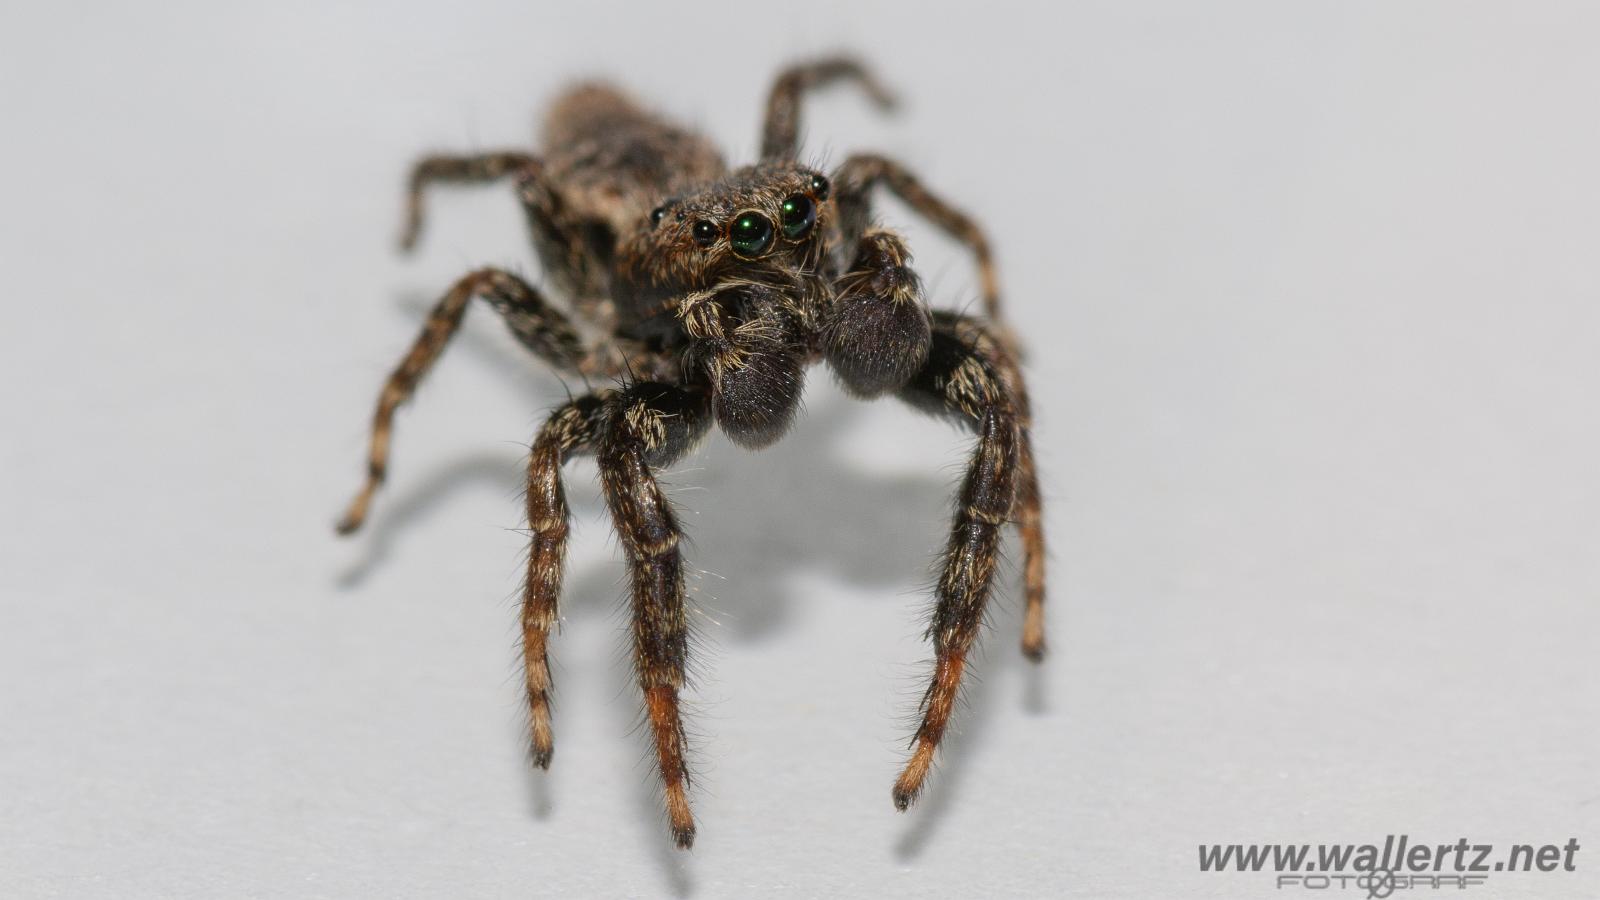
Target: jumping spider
{"type": "Point", "coordinates": [715, 289]}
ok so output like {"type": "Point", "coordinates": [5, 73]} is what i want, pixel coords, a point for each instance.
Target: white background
{"type": "Point", "coordinates": [1311, 295]}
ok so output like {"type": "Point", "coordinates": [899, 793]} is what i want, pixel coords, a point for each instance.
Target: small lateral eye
{"type": "Point", "coordinates": [750, 234]}
{"type": "Point", "coordinates": [656, 215]}
{"type": "Point", "coordinates": [798, 215]}
{"type": "Point", "coordinates": [819, 187]}
{"type": "Point", "coordinates": [705, 233]}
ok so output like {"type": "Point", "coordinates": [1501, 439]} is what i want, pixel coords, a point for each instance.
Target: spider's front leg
{"type": "Point", "coordinates": [647, 426]}
{"type": "Point", "coordinates": [570, 430]}
{"type": "Point", "coordinates": [970, 376]}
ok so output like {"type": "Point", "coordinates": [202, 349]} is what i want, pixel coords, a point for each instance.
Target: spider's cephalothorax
{"type": "Point", "coordinates": [714, 291]}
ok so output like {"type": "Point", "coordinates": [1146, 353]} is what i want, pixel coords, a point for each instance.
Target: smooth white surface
{"type": "Point", "coordinates": [1313, 302]}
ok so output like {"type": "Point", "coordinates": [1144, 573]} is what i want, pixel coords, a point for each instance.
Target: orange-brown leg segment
{"type": "Point", "coordinates": [455, 169]}
{"type": "Point", "coordinates": [780, 137]}
{"type": "Point", "coordinates": [1029, 512]}
{"type": "Point", "coordinates": [569, 430]}
{"type": "Point", "coordinates": [647, 426]}
{"type": "Point", "coordinates": [853, 182]}
{"type": "Point", "coordinates": [1030, 524]}
{"type": "Point", "coordinates": [531, 319]}
{"type": "Point", "coordinates": [964, 378]}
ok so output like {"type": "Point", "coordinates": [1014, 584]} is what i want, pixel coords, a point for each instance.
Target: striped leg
{"type": "Point", "coordinates": [540, 327]}
{"type": "Point", "coordinates": [646, 427]}
{"type": "Point", "coordinates": [571, 429]}
{"type": "Point", "coordinates": [780, 137]}
{"type": "Point", "coordinates": [966, 377]}
{"type": "Point", "coordinates": [454, 169]}
{"type": "Point", "coordinates": [854, 181]}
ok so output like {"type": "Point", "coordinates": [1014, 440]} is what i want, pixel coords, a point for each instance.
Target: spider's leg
{"type": "Point", "coordinates": [853, 183]}
{"type": "Point", "coordinates": [1029, 509]}
{"type": "Point", "coordinates": [780, 137]}
{"type": "Point", "coordinates": [966, 377]}
{"type": "Point", "coordinates": [648, 425]}
{"type": "Point", "coordinates": [458, 169]}
{"type": "Point", "coordinates": [568, 260]}
{"type": "Point", "coordinates": [571, 429]}
{"type": "Point", "coordinates": [566, 246]}
{"type": "Point", "coordinates": [540, 327]}
{"type": "Point", "coordinates": [875, 336]}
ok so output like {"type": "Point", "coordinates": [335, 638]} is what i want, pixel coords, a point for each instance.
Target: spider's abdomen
{"type": "Point", "coordinates": [614, 160]}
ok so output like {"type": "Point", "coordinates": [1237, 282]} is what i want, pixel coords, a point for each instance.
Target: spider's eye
{"type": "Point", "coordinates": [656, 215]}
{"type": "Point", "coordinates": [819, 186]}
{"type": "Point", "coordinates": [705, 233]}
{"type": "Point", "coordinates": [750, 234]}
{"type": "Point", "coordinates": [798, 215]}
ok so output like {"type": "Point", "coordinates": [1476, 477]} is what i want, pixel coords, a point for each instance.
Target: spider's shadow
{"type": "Point", "coordinates": [792, 507]}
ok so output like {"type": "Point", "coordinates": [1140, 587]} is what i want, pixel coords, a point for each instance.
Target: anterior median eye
{"type": "Point", "coordinates": [799, 214]}
{"type": "Point", "coordinates": [750, 234]}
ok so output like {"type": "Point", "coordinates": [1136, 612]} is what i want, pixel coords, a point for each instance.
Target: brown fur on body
{"type": "Point", "coordinates": [707, 293]}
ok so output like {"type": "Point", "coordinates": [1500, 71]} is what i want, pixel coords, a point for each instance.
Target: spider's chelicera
{"type": "Point", "coordinates": [715, 290]}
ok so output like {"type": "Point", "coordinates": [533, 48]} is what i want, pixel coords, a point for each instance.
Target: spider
{"type": "Point", "coordinates": [712, 290]}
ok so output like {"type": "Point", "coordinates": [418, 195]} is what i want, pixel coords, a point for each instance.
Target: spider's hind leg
{"type": "Point", "coordinates": [477, 169]}
{"type": "Point", "coordinates": [970, 377]}
{"type": "Point", "coordinates": [780, 137]}
{"type": "Point", "coordinates": [569, 259]}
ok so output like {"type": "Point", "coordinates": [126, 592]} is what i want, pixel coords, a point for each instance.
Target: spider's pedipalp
{"type": "Point", "coordinates": [877, 333]}
{"type": "Point", "coordinates": [748, 348]}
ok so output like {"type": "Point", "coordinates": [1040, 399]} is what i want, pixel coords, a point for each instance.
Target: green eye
{"type": "Point", "coordinates": [798, 215]}
{"type": "Point", "coordinates": [750, 235]}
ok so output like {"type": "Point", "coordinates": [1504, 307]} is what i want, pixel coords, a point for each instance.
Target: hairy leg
{"type": "Point", "coordinates": [780, 137]}
{"type": "Point", "coordinates": [968, 377]}
{"type": "Point", "coordinates": [1028, 512]}
{"type": "Point", "coordinates": [539, 327]}
{"type": "Point", "coordinates": [647, 426]}
{"type": "Point", "coordinates": [571, 429]}
{"type": "Point", "coordinates": [567, 258]}
{"type": "Point", "coordinates": [853, 183]}
{"type": "Point", "coordinates": [458, 169]}
{"type": "Point", "coordinates": [571, 259]}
